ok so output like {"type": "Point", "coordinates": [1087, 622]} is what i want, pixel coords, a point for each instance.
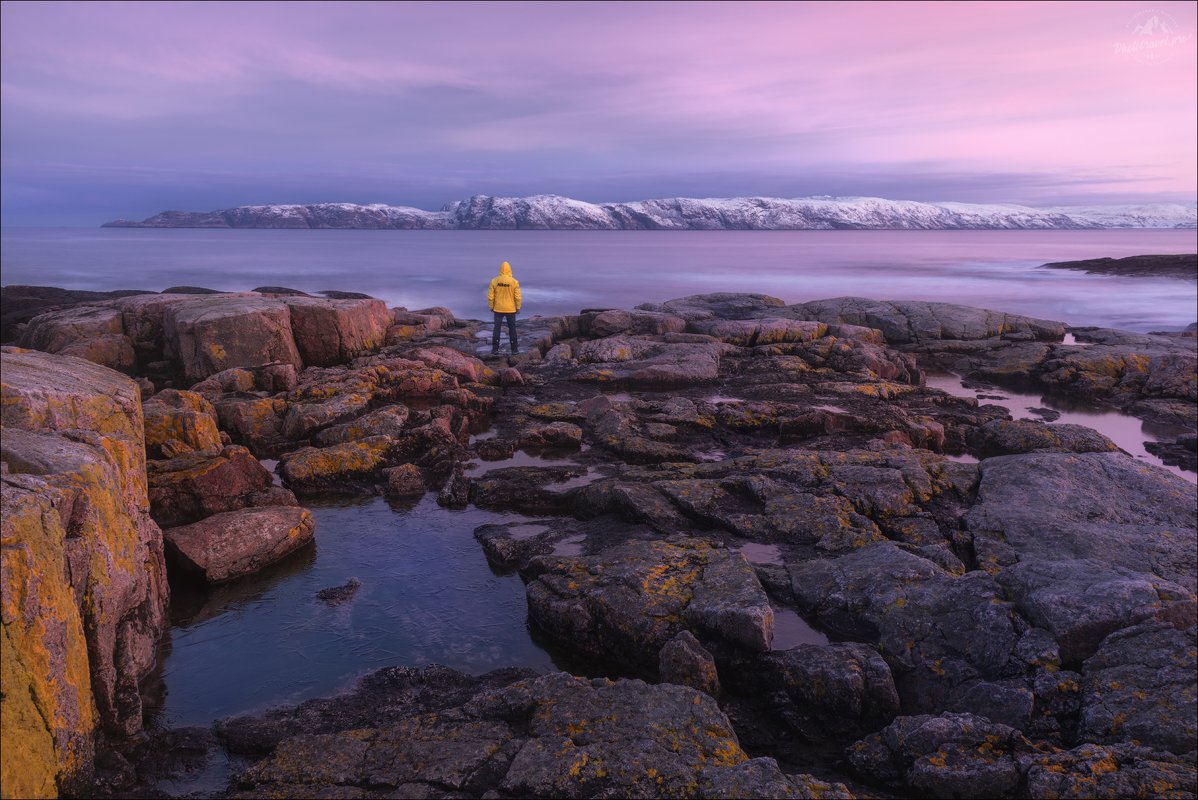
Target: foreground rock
{"type": "Point", "coordinates": [84, 583]}
{"type": "Point", "coordinates": [552, 736]}
{"type": "Point", "coordinates": [705, 480]}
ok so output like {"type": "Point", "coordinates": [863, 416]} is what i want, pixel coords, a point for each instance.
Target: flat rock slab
{"type": "Point", "coordinates": [903, 321]}
{"type": "Point", "coordinates": [236, 543]}
{"type": "Point", "coordinates": [644, 363]}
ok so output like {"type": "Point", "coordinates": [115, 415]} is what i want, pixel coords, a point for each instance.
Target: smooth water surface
{"type": "Point", "coordinates": [562, 272]}
{"type": "Point", "coordinates": [427, 596]}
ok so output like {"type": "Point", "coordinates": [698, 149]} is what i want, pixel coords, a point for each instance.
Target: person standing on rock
{"type": "Point", "coordinates": [503, 297]}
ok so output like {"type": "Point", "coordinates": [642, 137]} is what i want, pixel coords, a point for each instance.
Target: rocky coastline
{"type": "Point", "coordinates": [1001, 607]}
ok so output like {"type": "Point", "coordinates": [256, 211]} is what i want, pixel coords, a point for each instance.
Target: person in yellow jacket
{"type": "Point", "coordinates": [503, 296]}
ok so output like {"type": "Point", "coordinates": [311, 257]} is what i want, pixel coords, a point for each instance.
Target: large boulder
{"type": "Point", "coordinates": [55, 330]}
{"type": "Point", "coordinates": [628, 602]}
{"type": "Point", "coordinates": [93, 333]}
{"type": "Point", "coordinates": [192, 486]}
{"type": "Point", "coordinates": [143, 318]}
{"type": "Point", "coordinates": [451, 361]}
{"type": "Point", "coordinates": [209, 334]}
{"type": "Point", "coordinates": [610, 323]}
{"type": "Point", "coordinates": [386, 421]}
{"type": "Point", "coordinates": [347, 468]}
{"type": "Point", "coordinates": [22, 303]}
{"type": "Point", "coordinates": [256, 422]}
{"type": "Point", "coordinates": [843, 685]}
{"type": "Point", "coordinates": [47, 710]}
{"type": "Point", "coordinates": [180, 422]}
{"type": "Point", "coordinates": [950, 755]}
{"type": "Point", "coordinates": [74, 454]}
{"type": "Point", "coordinates": [305, 418]}
{"type": "Point", "coordinates": [940, 634]}
{"type": "Point", "coordinates": [236, 543]}
{"type": "Point", "coordinates": [1139, 687]}
{"type": "Point", "coordinates": [1085, 543]}
{"type": "Point", "coordinates": [329, 332]}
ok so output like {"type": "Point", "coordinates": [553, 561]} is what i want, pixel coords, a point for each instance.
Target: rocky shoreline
{"type": "Point", "coordinates": [1002, 607]}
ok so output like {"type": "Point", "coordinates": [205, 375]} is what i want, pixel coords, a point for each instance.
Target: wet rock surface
{"type": "Point", "coordinates": [993, 606]}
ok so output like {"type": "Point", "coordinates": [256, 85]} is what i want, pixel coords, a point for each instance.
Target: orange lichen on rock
{"type": "Point", "coordinates": [47, 714]}
{"type": "Point", "coordinates": [77, 640]}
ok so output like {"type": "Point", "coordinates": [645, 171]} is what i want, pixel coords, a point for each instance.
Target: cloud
{"type": "Point", "coordinates": [410, 99]}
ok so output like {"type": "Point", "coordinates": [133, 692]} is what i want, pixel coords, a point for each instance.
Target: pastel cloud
{"type": "Point", "coordinates": [118, 108]}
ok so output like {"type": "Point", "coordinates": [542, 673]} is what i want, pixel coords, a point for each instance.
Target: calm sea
{"type": "Point", "coordinates": [565, 271]}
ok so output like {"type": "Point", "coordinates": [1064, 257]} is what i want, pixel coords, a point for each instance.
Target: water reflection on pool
{"type": "Point", "coordinates": [1126, 431]}
{"type": "Point", "coordinates": [427, 596]}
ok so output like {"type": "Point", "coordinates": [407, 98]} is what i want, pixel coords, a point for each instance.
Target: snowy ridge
{"type": "Point", "coordinates": [553, 212]}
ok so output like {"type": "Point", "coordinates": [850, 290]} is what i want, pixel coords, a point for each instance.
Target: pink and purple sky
{"type": "Point", "coordinates": [129, 109]}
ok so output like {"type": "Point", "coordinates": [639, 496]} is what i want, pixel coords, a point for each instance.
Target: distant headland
{"type": "Point", "coordinates": [553, 212]}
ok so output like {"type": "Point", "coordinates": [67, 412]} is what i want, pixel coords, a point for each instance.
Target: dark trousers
{"type": "Point", "coordinates": [511, 330]}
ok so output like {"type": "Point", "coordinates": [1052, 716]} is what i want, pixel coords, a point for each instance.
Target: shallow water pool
{"type": "Point", "coordinates": [427, 596]}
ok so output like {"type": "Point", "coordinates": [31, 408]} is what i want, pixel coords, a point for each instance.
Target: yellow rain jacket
{"type": "Point", "coordinates": [503, 296]}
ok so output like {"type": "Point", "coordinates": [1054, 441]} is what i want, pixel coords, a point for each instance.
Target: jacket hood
{"type": "Point", "coordinates": [505, 269]}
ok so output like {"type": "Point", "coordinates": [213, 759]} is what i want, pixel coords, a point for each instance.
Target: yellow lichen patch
{"type": "Point", "coordinates": [357, 458]}
{"type": "Point", "coordinates": [47, 712]}
{"type": "Point", "coordinates": [1104, 765]}
{"type": "Point", "coordinates": [196, 430]}
{"type": "Point", "coordinates": [728, 754]}
{"type": "Point", "coordinates": [556, 411]}
{"type": "Point", "coordinates": [217, 352]}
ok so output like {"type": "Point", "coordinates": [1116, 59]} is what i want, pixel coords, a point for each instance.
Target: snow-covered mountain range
{"type": "Point", "coordinates": [553, 212]}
